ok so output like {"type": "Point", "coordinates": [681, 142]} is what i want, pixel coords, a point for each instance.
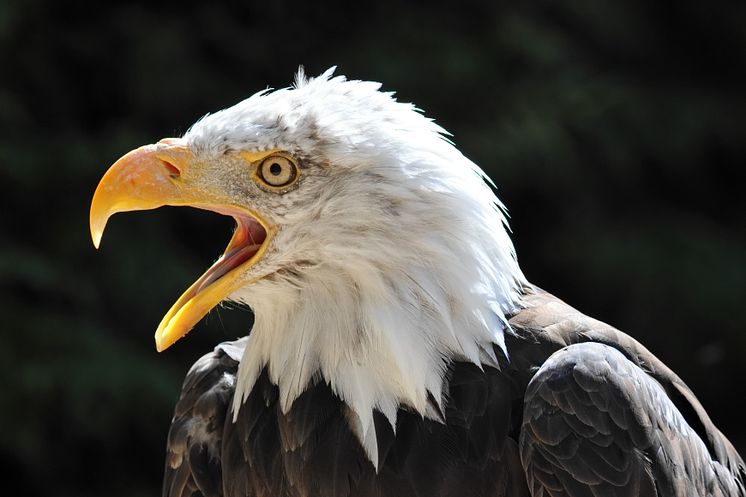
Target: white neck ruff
{"type": "Point", "coordinates": [381, 324]}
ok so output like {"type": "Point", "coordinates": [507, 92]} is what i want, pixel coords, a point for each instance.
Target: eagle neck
{"type": "Point", "coordinates": [380, 340]}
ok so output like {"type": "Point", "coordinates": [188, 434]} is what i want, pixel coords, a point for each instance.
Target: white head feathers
{"type": "Point", "coordinates": [392, 257]}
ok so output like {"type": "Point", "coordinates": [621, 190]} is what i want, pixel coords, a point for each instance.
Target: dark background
{"type": "Point", "coordinates": [614, 131]}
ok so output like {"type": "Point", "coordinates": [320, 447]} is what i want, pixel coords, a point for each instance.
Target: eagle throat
{"type": "Point", "coordinates": [381, 338]}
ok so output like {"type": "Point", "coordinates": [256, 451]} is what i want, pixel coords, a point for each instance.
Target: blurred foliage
{"type": "Point", "coordinates": [614, 131]}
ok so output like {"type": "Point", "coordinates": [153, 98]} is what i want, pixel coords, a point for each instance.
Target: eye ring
{"type": "Point", "coordinates": [277, 172]}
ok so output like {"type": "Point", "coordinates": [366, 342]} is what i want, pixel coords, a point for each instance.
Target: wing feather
{"type": "Point", "coordinates": [603, 415]}
{"type": "Point", "coordinates": [194, 447]}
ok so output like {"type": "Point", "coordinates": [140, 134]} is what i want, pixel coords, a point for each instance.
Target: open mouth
{"type": "Point", "coordinates": [245, 249]}
{"type": "Point", "coordinates": [162, 174]}
{"type": "Point", "coordinates": [244, 245]}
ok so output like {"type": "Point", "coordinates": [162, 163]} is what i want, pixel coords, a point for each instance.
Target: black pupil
{"type": "Point", "coordinates": [275, 169]}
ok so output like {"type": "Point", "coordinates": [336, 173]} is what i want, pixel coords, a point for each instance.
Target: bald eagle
{"type": "Point", "coordinates": [397, 348]}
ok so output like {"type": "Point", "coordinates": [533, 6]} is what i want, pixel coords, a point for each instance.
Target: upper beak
{"type": "Point", "coordinates": [156, 175]}
{"type": "Point", "coordinates": [142, 179]}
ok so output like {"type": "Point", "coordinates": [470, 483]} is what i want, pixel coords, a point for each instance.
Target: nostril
{"type": "Point", "coordinates": [173, 171]}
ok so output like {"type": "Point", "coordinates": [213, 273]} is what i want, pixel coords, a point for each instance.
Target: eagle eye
{"type": "Point", "coordinates": [277, 171]}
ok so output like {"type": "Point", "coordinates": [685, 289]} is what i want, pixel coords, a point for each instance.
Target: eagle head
{"type": "Point", "coordinates": [371, 251]}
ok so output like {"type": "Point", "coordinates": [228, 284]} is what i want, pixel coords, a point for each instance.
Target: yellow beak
{"type": "Point", "coordinates": [142, 179]}
{"type": "Point", "coordinates": [156, 175]}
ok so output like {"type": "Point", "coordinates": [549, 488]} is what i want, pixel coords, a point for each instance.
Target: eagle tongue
{"type": "Point", "coordinates": [246, 240]}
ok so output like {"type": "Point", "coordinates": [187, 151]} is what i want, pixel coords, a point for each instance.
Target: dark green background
{"type": "Point", "coordinates": [614, 131]}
